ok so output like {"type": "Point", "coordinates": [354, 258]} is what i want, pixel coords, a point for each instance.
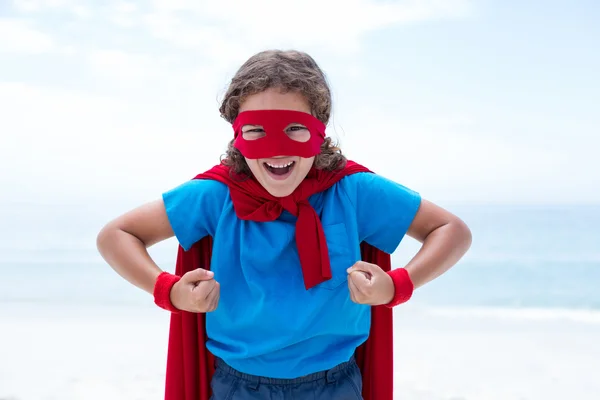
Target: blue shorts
{"type": "Point", "coordinates": [343, 382]}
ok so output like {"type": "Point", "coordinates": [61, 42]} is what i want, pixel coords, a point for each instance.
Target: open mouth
{"type": "Point", "coordinates": [281, 171]}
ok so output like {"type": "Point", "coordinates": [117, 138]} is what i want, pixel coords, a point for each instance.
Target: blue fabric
{"type": "Point", "coordinates": [343, 382]}
{"type": "Point", "coordinates": [267, 323]}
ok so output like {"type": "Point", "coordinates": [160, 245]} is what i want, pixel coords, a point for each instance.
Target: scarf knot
{"type": "Point", "coordinates": [293, 206]}
{"type": "Point", "coordinates": [252, 202]}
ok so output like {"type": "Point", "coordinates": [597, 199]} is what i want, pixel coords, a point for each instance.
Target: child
{"type": "Point", "coordinates": [283, 287]}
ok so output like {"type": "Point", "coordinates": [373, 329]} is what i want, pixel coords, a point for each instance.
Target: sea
{"type": "Point", "coordinates": [522, 256]}
{"type": "Point", "coordinates": [518, 318]}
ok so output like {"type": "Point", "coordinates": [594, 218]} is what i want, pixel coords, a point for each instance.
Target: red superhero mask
{"type": "Point", "coordinates": [276, 141]}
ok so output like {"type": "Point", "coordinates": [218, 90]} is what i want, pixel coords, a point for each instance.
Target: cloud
{"type": "Point", "coordinates": [162, 63]}
{"type": "Point", "coordinates": [214, 35]}
{"type": "Point", "coordinates": [30, 6]}
{"type": "Point", "coordinates": [334, 25]}
{"type": "Point", "coordinates": [124, 15]}
{"type": "Point", "coordinates": [19, 36]}
{"type": "Point", "coordinates": [67, 147]}
{"type": "Point", "coordinates": [122, 65]}
{"type": "Point", "coordinates": [230, 29]}
{"type": "Point", "coordinates": [453, 157]}
{"type": "Point", "coordinates": [82, 11]}
{"type": "Point", "coordinates": [60, 146]}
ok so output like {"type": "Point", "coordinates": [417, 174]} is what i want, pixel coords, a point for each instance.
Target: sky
{"type": "Point", "coordinates": [464, 101]}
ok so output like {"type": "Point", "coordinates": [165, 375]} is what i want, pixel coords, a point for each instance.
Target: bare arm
{"type": "Point", "coordinates": [123, 243]}
{"type": "Point", "coordinates": [445, 240]}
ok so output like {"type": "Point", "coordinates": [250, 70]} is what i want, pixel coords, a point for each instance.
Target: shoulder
{"type": "Point", "coordinates": [194, 208]}
{"type": "Point", "coordinates": [384, 208]}
{"type": "Point", "coordinates": [372, 183]}
{"type": "Point", "coordinates": [198, 187]}
{"type": "Point", "coordinates": [209, 184]}
{"type": "Point", "coordinates": [203, 194]}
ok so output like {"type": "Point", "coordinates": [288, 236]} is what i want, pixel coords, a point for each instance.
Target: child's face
{"type": "Point", "coordinates": [279, 182]}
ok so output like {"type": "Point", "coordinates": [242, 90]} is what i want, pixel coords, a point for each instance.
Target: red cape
{"type": "Point", "coordinates": [190, 365]}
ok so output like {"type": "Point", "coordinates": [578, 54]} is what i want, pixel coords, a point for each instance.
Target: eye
{"type": "Point", "coordinates": [298, 132]}
{"type": "Point", "coordinates": [253, 132]}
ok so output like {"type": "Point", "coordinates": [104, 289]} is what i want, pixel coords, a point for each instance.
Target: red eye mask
{"type": "Point", "coordinates": [276, 142]}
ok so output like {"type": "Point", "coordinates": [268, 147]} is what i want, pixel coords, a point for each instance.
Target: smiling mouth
{"type": "Point", "coordinates": [280, 171]}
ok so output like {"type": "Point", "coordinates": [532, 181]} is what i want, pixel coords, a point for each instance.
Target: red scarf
{"type": "Point", "coordinates": [190, 365]}
{"type": "Point", "coordinates": [252, 202]}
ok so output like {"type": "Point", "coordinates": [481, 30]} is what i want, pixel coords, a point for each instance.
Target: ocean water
{"type": "Point", "coordinates": [525, 257]}
{"type": "Point", "coordinates": [522, 307]}
{"type": "Point", "coordinates": [542, 257]}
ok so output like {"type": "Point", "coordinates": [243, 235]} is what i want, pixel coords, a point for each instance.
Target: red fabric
{"type": "Point", "coordinates": [276, 142]}
{"type": "Point", "coordinates": [252, 202]}
{"type": "Point", "coordinates": [162, 290]}
{"type": "Point", "coordinates": [403, 286]}
{"type": "Point", "coordinates": [190, 365]}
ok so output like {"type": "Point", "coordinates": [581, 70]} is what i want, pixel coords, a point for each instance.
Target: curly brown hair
{"type": "Point", "coordinates": [288, 70]}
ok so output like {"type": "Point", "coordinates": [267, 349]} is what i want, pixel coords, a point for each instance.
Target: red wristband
{"type": "Point", "coordinates": [403, 287]}
{"type": "Point", "coordinates": [162, 291]}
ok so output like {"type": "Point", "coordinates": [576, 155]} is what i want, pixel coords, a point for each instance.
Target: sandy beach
{"type": "Point", "coordinates": [49, 353]}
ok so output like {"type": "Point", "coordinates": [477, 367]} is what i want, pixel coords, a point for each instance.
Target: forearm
{"type": "Point", "coordinates": [128, 256]}
{"type": "Point", "coordinates": [441, 249]}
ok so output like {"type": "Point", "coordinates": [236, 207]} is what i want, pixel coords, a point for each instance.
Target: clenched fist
{"type": "Point", "coordinates": [197, 291]}
{"type": "Point", "coordinates": [369, 284]}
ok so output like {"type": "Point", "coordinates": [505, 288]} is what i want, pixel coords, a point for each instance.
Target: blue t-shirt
{"type": "Point", "coordinates": [267, 323]}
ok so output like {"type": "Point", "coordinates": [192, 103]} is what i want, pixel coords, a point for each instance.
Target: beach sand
{"type": "Point", "coordinates": [51, 353]}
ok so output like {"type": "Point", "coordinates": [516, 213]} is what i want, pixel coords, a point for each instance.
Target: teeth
{"type": "Point", "coordinates": [280, 166]}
